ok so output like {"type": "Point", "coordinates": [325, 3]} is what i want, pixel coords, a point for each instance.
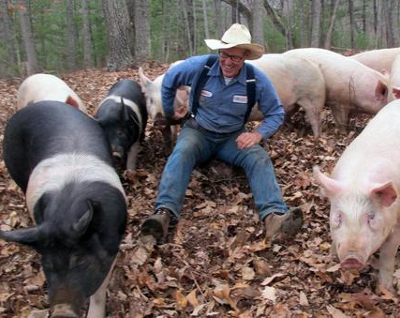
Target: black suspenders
{"type": "Point", "coordinates": [251, 86]}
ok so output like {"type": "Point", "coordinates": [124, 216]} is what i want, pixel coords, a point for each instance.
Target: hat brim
{"type": "Point", "coordinates": [256, 51]}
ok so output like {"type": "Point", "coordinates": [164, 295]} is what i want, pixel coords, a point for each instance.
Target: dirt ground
{"type": "Point", "coordinates": [216, 263]}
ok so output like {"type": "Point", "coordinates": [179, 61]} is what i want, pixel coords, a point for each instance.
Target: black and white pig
{"type": "Point", "coordinates": [123, 116]}
{"type": "Point", "coordinates": [40, 86]}
{"type": "Point", "coordinates": [62, 161]}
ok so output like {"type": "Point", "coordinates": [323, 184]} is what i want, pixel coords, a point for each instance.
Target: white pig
{"type": "Point", "coordinates": [394, 79]}
{"type": "Point", "coordinates": [379, 60]}
{"type": "Point", "coordinates": [351, 86]}
{"type": "Point", "coordinates": [363, 191]}
{"type": "Point", "coordinates": [152, 91]}
{"type": "Point", "coordinates": [299, 82]}
{"type": "Point", "coordinates": [40, 87]}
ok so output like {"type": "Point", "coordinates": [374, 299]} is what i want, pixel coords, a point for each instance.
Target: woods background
{"type": "Point", "coordinates": [65, 35]}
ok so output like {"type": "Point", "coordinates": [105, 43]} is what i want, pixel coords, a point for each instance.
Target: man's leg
{"type": "Point", "coordinates": [191, 148]}
{"type": "Point", "coordinates": [265, 189]}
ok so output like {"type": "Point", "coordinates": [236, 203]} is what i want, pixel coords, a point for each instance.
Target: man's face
{"type": "Point", "coordinates": [232, 60]}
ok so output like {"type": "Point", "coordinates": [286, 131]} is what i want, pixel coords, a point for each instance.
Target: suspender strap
{"type": "Point", "coordinates": [250, 81]}
{"type": "Point", "coordinates": [202, 81]}
{"type": "Point", "coordinates": [251, 90]}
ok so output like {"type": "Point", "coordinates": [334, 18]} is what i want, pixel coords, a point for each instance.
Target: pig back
{"type": "Point", "coordinates": [292, 77]}
{"type": "Point", "coordinates": [46, 129]}
{"type": "Point", "coordinates": [349, 83]}
{"type": "Point", "coordinates": [378, 60]}
{"type": "Point", "coordinates": [375, 153]}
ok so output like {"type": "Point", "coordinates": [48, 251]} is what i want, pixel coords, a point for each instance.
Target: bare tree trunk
{"type": "Point", "coordinates": [352, 25]}
{"type": "Point", "coordinates": [257, 21]}
{"type": "Point", "coordinates": [11, 66]}
{"type": "Point", "coordinates": [393, 23]}
{"type": "Point", "coordinates": [142, 30]}
{"type": "Point", "coordinates": [375, 17]}
{"type": "Point", "coordinates": [287, 7]}
{"type": "Point", "coordinates": [364, 16]}
{"type": "Point", "coordinates": [380, 25]}
{"type": "Point", "coordinates": [32, 66]}
{"type": "Point", "coordinates": [238, 8]}
{"type": "Point", "coordinates": [185, 12]}
{"type": "Point", "coordinates": [218, 18]}
{"type": "Point", "coordinates": [316, 23]}
{"type": "Point", "coordinates": [71, 36]}
{"type": "Point", "coordinates": [331, 25]}
{"type": "Point", "coordinates": [274, 17]}
{"type": "Point", "coordinates": [87, 40]}
{"type": "Point", "coordinates": [205, 21]}
{"type": "Point", "coordinates": [130, 5]}
{"type": "Point", "coordinates": [118, 32]}
{"type": "Point", "coordinates": [304, 23]}
{"type": "Point", "coordinates": [164, 32]}
{"type": "Point", "coordinates": [193, 20]}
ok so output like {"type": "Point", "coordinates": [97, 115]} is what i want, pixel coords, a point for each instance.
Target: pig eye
{"type": "Point", "coordinates": [372, 222]}
{"type": "Point", "coordinates": [371, 216]}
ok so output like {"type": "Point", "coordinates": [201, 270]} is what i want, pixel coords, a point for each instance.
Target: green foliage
{"type": "Point", "coordinates": [275, 40]}
{"type": "Point", "coordinates": [169, 35]}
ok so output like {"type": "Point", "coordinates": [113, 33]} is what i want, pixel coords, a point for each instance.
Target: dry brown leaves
{"type": "Point", "coordinates": [216, 263]}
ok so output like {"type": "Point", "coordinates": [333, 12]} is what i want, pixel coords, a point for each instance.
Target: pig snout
{"type": "Point", "coordinates": [352, 261]}
{"type": "Point", "coordinates": [119, 154]}
{"type": "Point", "coordinates": [63, 311]}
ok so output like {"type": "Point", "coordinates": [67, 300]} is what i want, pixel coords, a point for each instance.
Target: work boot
{"type": "Point", "coordinates": [157, 224]}
{"type": "Point", "coordinates": [282, 226]}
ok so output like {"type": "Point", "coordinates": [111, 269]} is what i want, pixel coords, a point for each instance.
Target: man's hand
{"type": "Point", "coordinates": [248, 139]}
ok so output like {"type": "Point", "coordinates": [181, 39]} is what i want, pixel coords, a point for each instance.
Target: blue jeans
{"type": "Point", "coordinates": [195, 146]}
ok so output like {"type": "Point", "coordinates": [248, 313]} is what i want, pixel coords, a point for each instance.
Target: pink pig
{"type": "Point", "coordinates": [299, 83]}
{"type": "Point", "coordinates": [394, 79]}
{"type": "Point", "coordinates": [152, 91]}
{"type": "Point", "coordinates": [380, 60]}
{"type": "Point", "coordinates": [363, 191]}
{"type": "Point", "coordinates": [351, 86]}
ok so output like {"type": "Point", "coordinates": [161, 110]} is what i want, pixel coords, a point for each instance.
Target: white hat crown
{"type": "Point", "coordinates": [238, 35]}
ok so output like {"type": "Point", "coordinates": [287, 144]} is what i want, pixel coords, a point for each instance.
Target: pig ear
{"type": "Point", "coordinates": [144, 80]}
{"type": "Point", "coordinates": [124, 113]}
{"type": "Point", "coordinates": [385, 194]}
{"type": "Point", "coordinates": [396, 92]}
{"type": "Point", "coordinates": [330, 186]}
{"type": "Point", "coordinates": [381, 91]}
{"type": "Point", "coordinates": [79, 227]}
{"type": "Point", "coordinates": [28, 236]}
{"type": "Point", "coordinates": [71, 101]}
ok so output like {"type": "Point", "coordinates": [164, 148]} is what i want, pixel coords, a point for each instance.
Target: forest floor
{"type": "Point", "coordinates": [216, 263]}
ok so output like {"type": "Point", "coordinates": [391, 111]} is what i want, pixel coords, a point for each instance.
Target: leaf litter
{"type": "Point", "coordinates": [216, 262]}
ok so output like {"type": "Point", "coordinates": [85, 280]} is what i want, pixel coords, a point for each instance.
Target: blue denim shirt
{"type": "Point", "coordinates": [222, 107]}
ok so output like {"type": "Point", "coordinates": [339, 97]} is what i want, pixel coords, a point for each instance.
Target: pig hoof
{"type": "Point", "coordinates": [63, 311]}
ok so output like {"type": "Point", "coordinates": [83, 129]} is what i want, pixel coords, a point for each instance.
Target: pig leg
{"type": "Point", "coordinates": [387, 254]}
{"type": "Point", "coordinates": [132, 155]}
{"type": "Point", "coordinates": [313, 113]}
{"type": "Point", "coordinates": [341, 117]}
{"type": "Point", "coordinates": [97, 306]}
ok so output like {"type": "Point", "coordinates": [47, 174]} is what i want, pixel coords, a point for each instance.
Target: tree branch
{"type": "Point", "coordinates": [274, 17]}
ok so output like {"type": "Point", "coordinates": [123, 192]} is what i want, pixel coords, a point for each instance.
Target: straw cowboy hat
{"type": "Point", "coordinates": [237, 36]}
